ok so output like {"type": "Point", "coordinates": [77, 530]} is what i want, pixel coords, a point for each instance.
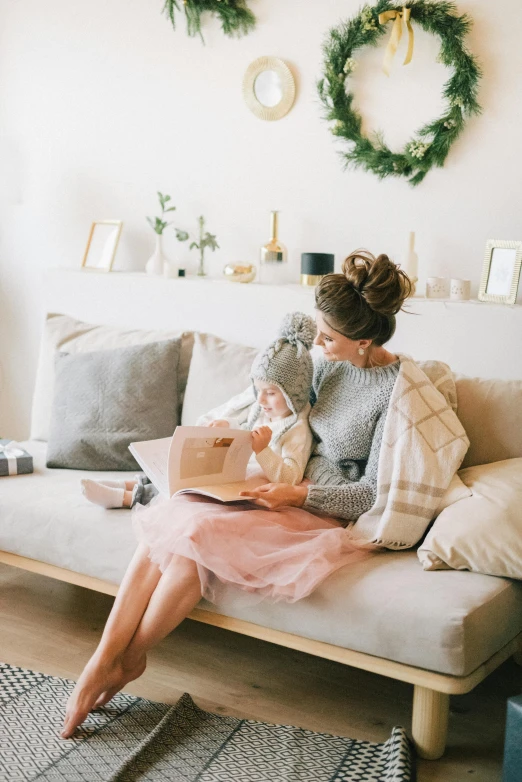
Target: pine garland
{"type": "Point", "coordinates": [432, 142]}
{"type": "Point", "coordinates": [236, 18]}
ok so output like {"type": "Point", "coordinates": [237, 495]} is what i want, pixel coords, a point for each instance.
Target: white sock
{"type": "Point", "coordinates": [113, 484]}
{"type": "Point", "coordinates": [106, 496]}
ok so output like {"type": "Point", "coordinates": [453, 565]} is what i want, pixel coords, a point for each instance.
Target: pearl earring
{"type": "Point", "coordinates": [361, 351]}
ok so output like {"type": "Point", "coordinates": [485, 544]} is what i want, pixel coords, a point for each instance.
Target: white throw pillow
{"type": "Point", "coordinates": [457, 490]}
{"type": "Point", "coordinates": [218, 371]}
{"type": "Point", "coordinates": [482, 533]}
{"type": "Point", "coordinates": [68, 335]}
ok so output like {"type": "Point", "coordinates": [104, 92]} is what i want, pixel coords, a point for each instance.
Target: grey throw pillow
{"type": "Point", "coordinates": [106, 399]}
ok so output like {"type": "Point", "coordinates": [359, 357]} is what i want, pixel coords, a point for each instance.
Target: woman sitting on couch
{"type": "Point", "coordinates": [281, 556]}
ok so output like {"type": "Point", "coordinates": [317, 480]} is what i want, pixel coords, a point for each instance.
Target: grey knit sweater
{"type": "Point", "coordinates": [347, 420]}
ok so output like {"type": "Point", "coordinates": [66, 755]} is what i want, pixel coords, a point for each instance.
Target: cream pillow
{"type": "Point", "coordinates": [218, 371]}
{"type": "Point", "coordinates": [68, 335]}
{"type": "Point", "coordinates": [457, 490]}
{"type": "Point", "coordinates": [482, 533]}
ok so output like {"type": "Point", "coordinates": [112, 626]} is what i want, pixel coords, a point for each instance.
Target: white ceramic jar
{"type": "Point", "coordinates": [437, 288]}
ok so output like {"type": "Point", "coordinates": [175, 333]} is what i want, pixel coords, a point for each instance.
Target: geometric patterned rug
{"type": "Point", "coordinates": [133, 739]}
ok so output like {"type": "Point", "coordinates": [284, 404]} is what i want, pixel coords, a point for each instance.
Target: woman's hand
{"type": "Point", "coordinates": [219, 422]}
{"type": "Point", "coordinates": [261, 438]}
{"type": "Point", "coordinates": [277, 495]}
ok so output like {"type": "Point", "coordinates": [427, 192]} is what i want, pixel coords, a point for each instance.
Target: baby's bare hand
{"type": "Point", "coordinates": [261, 438]}
{"type": "Point", "coordinates": [219, 422]}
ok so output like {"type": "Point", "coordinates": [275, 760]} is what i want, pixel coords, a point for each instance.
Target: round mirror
{"type": "Point", "coordinates": [269, 88]}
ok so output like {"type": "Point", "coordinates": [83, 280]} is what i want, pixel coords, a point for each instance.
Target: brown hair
{"type": "Point", "coordinates": [361, 303]}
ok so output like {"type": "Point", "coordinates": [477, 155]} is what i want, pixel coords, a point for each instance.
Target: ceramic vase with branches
{"type": "Point", "coordinates": [157, 260]}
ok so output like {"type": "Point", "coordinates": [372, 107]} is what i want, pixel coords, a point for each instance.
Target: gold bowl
{"type": "Point", "coordinates": [240, 272]}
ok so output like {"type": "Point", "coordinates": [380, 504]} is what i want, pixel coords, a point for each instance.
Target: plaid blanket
{"type": "Point", "coordinates": [423, 446]}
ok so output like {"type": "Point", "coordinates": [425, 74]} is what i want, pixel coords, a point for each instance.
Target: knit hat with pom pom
{"type": "Point", "coordinates": [287, 362]}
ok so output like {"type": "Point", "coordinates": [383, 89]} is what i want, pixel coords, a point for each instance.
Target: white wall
{"type": "Point", "coordinates": [102, 104]}
{"type": "Point", "coordinates": [428, 328]}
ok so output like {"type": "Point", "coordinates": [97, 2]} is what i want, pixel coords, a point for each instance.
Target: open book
{"type": "Point", "coordinates": [201, 459]}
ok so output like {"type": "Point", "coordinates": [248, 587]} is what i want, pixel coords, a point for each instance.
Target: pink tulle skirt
{"type": "Point", "coordinates": [277, 554]}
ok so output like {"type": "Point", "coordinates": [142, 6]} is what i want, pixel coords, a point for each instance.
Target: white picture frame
{"type": "Point", "coordinates": [501, 271]}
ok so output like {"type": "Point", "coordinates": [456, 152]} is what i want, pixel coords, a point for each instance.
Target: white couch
{"type": "Point", "coordinates": [442, 631]}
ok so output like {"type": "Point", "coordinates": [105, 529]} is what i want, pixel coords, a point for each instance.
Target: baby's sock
{"type": "Point", "coordinates": [100, 494]}
{"type": "Point", "coordinates": [113, 484]}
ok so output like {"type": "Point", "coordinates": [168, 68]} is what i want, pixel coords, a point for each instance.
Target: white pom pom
{"type": "Point", "coordinates": [298, 327]}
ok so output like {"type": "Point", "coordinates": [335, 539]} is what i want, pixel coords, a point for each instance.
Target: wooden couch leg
{"type": "Point", "coordinates": [430, 722]}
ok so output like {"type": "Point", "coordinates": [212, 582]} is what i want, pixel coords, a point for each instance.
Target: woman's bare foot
{"type": "Point", "coordinates": [98, 679]}
{"type": "Point", "coordinates": [132, 670]}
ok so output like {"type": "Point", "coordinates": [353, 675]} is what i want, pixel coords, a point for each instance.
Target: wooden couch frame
{"type": "Point", "coordinates": [431, 690]}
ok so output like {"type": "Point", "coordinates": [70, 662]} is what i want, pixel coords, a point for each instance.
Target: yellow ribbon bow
{"type": "Point", "coordinates": [396, 34]}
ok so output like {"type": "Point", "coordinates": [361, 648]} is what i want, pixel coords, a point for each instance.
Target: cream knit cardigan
{"type": "Point", "coordinates": [284, 460]}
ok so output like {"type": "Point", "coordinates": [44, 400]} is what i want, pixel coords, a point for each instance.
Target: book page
{"type": "Point", "coordinates": [228, 492]}
{"type": "Point", "coordinates": [207, 456]}
{"type": "Point", "coordinates": [152, 456]}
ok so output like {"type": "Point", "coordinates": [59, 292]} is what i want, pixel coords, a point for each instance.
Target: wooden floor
{"type": "Point", "coordinates": [53, 627]}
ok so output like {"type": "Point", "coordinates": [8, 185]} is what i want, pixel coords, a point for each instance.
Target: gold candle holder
{"type": "Point", "coordinates": [314, 266]}
{"type": "Point", "coordinates": [311, 279]}
{"type": "Point", "coordinates": [240, 272]}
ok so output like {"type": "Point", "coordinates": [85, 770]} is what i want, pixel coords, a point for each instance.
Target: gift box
{"type": "Point", "coordinates": [13, 459]}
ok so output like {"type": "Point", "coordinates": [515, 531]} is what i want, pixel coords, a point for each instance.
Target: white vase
{"type": "Point", "coordinates": [411, 262]}
{"type": "Point", "coordinates": [156, 262]}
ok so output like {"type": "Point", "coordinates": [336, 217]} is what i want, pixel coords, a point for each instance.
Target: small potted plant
{"type": "Point", "coordinates": [158, 224]}
{"type": "Point", "coordinates": [205, 240]}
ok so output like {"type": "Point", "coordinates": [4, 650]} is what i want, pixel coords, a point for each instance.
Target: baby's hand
{"type": "Point", "coordinates": [261, 438]}
{"type": "Point", "coordinates": [219, 422]}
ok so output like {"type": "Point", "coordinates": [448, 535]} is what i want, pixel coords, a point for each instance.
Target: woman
{"type": "Point", "coordinates": [352, 386]}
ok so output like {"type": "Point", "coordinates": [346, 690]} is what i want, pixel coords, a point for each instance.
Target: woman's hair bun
{"type": "Point", "coordinates": [298, 327]}
{"type": "Point", "coordinates": [379, 281]}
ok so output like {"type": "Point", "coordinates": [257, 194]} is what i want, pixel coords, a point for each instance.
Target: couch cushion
{"type": "Point", "coordinates": [218, 371]}
{"type": "Point", "coordinates": [483, 532]}
{"type": "Point", "coordinates": [491, 413]}
{"type": "Point", "coordinates": [106, 399]}
{"type": "Point", "coordinates": [388, 606]}
{"type": "Point", "coordinates": [48, 518]}
{"type": "Point", "coordinates": [66, 334]}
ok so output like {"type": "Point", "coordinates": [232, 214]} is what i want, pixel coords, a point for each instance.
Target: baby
{"type": "Point", "coordinates": [275, 409]}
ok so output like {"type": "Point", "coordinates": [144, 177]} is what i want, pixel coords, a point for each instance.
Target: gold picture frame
{"type": "Point", "coordinates": [270, 77]}
{"type": "Point", "coordinates": [501, 271]}
{"type": "Point", "coordinates": [102, 244]}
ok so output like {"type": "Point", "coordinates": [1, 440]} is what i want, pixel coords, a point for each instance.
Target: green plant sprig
{"type": "Point", "coordinates": [158, 224]}
{"type": "Point", "coordinates": [431, 143]}
{"type": "Point", "coordinates": [235, 16]}
{"type": "Point", "coordinates": [204, 240]}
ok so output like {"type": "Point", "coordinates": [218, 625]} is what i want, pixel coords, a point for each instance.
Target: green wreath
{"type": "Point", "coordinates": [431, 143]}
{"type": "Point", "coordinates": [236, 18]}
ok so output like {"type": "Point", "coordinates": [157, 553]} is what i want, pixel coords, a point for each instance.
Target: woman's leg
{"type": "Point", "coordinates": [163, 601]}
{"type": "Point", "coordinates": [177, 593]}
{"type": "Point", "coordinates": [139, 582]}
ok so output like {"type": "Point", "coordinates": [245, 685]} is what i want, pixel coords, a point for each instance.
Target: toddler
{"type": "Point", "coordinates": [275, 409]}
